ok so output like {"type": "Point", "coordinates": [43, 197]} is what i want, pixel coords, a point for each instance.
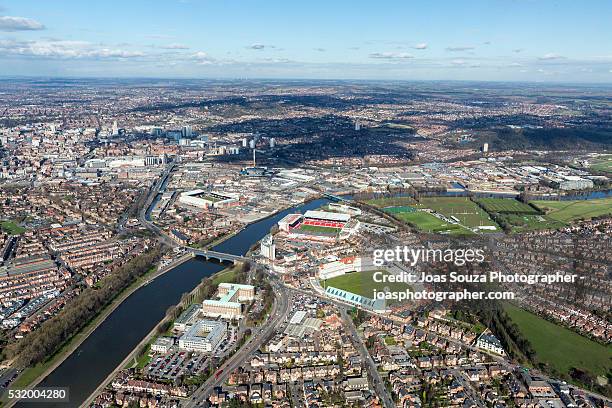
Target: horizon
{"type": "Point", "coordinates": [476, 40]}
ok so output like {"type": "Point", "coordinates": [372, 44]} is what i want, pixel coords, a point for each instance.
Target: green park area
{"type": "Point", "coordinates": [391, 202]}
{"type": "Point", "coordinates": [506, 205]}
{"type": "Point", "coordinates": [363, 284]}
{"type": "Point", "coordinates": [426, 222]}
{"type": "Point", "coordinates": [516, 216]}
{"type": "Point", "coordinates": [602, 163]}
{"type": "Point", "coordinates": [568, 211]}
{"type": "Point", "coordinates": [11, 228]}
{"type": "Point", "coordinates": [559, 347]}
{"type": "Point", "coordinates": [465, 210]}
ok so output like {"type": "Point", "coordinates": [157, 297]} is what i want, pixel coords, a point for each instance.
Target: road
{"type": "Point", "coordinates": [279, 313]}
{"type": "Point", "coordinates": [379, 385]}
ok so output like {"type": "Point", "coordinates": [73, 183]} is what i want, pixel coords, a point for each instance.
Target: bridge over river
{"type": "Point", "coordinates": [216, 255]}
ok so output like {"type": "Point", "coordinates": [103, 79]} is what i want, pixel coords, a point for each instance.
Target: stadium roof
{"type": "Point", "coordinates": [324, 215]}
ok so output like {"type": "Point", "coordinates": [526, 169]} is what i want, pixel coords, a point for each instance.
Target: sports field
{"type": "Point", "coordinates": [530, 222]}
{"type": "Point", "coordinates": [560, 347]}
{"type": "Point", "coordinates": [429, 223]}
{"type": "Point", "coordinates": [466, 211]}
{"type": "Point", "coordinates": [568, 211]}
{"type": "Point", "coordinates": [506, 206]}
{"type": "Point", "coordinates": [602, 163]}
{"type": "Point", "coordinates": [362, 283]}
{"type": "Point", "coordinates": [315, 229]}
{"type": "Point", "coordinates": [390, 202]}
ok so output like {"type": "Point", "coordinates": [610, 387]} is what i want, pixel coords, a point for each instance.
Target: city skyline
{"type": "Point", "coordinates": [550, 41]}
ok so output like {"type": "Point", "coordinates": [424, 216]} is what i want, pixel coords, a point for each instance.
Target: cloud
{"type": "Point", "coordinates": [202, 58]}
{"type": "Point", "coordinates": [459, 49]}
{"type": "Point", "coordinates": [8, 23]}
{"type": "Point", "coordinates": [517, 50]}
{"type": "Point", "coordinates": [320, 49]}
{"type": "Point", "coordinates": [458, 62]}
{"type": "Point", "coordinates": [390, 55]}
{"type": "Point", "coordinates": [420, 46]}
{"type": "Point", "coordinates": [173, 47]}
{"type": "Point", "coordinates": [256, 46]}
{"type": "Point", "coordinates": [63, 49]}
{"type": "Point", "coordinates": [487, 43]}
{"type": "Point", "coordinates": [551, 56]}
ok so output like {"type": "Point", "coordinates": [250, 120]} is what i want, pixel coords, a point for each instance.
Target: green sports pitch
{"type": "Point", "coordinates": [465, 210]}
{"type": "Point", "coordinates": [315, 229]}
{"type": "Point", "coordinates": [506, 206]}
{"type": "Point", "coordinates": [568, 211]}
{"type": "Point", "coordinates": [363, 284]}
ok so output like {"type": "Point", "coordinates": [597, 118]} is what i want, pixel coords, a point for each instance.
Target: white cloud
{"type": "Point", "coordinates": [458, 62]}
{"type": "Point", "coordinates": [551, 56]}
{"type": "Point", "coordinates": [8, 23]}
{"type": "Point", "coordinates": [63, 49]}
{"type": "Point", "coordinates": [202, 58]}
{"type": "Point", "coordinates": [459, 49]}
{"type": "Point", "coordinates": [256, 46]}
{"type": "Point", "coordinates": [420, 46]}
{"type": "Point", "coordinates": [390, 55]}
{"type": "Point", "coordinates": [174, 47]}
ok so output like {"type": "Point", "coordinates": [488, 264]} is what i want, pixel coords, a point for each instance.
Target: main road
{"type": "Point", "coordinates": [379, 386]}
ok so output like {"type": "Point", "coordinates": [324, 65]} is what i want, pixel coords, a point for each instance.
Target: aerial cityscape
{"type": "Point", "coordinates": [386, 216]}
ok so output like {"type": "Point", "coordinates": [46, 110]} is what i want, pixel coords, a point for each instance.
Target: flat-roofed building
{"type": "Point", "coordinates": [228, 305]}
{"type": "Point", "coordinates": [204, 336]}
{"type": "Point", "coordinates": [204, 199]}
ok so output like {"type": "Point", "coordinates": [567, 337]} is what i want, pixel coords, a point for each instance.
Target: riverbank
{"type": "Point", "coordinates": [146, 340]}
{"type": "Point", "coordinates": [32, 376]}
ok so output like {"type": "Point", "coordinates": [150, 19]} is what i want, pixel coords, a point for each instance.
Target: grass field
{"type": "Point", "coordinates": [11, 228]}
{"type": "Point", "coordinates": [506, 206]}
{"type": "Point", "coordinates": [226, 276]}
{"type": "Point", "coordinates": [568, 211]}
{"type": "Point", "coordinates": [319, 230]}
{"type": "Point", "coordinates": [390, 202]}
{"type": "Point", "coordinates": [602, 163]}
{"type": "Point", "coordinates": [399, 209]}
{"type": "Point", "coordinates": [429, 223]}
{"type": "Point", "coordinates": [467, 211]}
{"type": "Point", "coordinates": [362, 283]}
{"type": "Point", "coordinates": [559, 347]}
{"type": "Point", "coordinates": [527, 222]}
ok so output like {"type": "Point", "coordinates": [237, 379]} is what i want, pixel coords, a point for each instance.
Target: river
{"type": "Point", "coordinates": [126, 326]}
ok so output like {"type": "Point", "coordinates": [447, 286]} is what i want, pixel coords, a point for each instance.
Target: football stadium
{"type": "Point", "coordinates": [318, 225]}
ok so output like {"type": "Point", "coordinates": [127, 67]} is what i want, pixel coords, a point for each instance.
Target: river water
{"type": "Point", "coordinates": [125, 327]}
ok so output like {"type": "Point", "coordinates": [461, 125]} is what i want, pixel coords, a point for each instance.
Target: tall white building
{"type": "Point", "coordinates": [267, 248]}
{"type": "Point", "coordinates": [115, 128]}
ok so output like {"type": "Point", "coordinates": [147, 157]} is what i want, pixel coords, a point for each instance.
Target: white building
{"type": "Point", "coordinates": [204, 336]}
{"type": "Point", "coordinates": [345, 265]}
{"type": "Point", "coordinates": [162, 345]}
{"type": "Point", "coordinates": [267, 248]}
{"type": "Point", "coordinates": [203, 199]}
{"type": "Point", "coordinates": [490, 343]}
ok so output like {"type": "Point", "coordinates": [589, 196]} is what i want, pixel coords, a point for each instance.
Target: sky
{"type": "Point", "coordinates": [492, 40]}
